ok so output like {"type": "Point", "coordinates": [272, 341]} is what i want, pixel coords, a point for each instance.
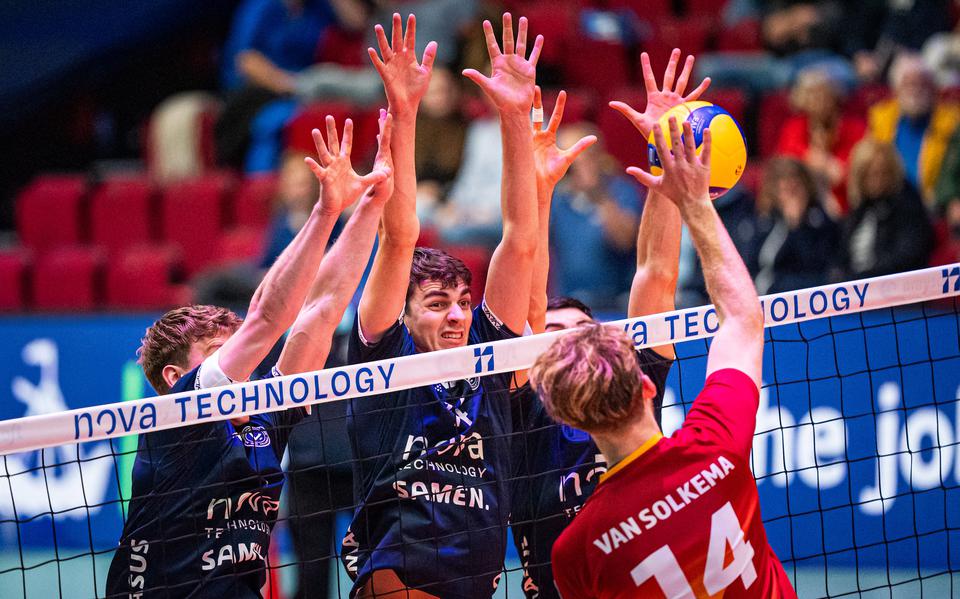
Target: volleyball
{"type": "Point", "coordinates": [729, 155]}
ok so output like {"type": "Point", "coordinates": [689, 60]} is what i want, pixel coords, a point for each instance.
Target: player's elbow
{"type": "Point", "coordinates": [520, 242]}
{"type": "Point", "coordinates": [653, 275]}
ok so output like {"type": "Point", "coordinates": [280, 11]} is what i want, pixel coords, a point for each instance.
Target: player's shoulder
{"type": "Point", "coordinates": [188, 382]}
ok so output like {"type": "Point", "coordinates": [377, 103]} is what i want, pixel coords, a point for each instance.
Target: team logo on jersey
{"type": "Point", "coordinates": [574, 435]}
{"type": "Point", "coordinates": [254, 436]}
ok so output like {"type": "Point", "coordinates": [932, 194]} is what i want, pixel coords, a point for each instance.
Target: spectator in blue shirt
{"type": "Point", "coordinates": [593, 227]}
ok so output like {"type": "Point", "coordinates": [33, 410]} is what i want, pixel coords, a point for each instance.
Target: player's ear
{"type": "Point", "coordinates": [171, 374]}
{"type": "Point", "coordinates": [649, 390]}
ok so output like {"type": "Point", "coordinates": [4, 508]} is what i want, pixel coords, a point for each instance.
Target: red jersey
{"type": "Point", "coordinates": [680, 516]}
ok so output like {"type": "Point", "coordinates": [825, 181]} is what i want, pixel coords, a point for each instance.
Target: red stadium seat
{"type": "Point", "coordinates": [582, 104]}
{"type": "Point", "coordinates": [645, 9]}
{"type": "Point", "coordinates": [121, 212]}
{"type": "Point", "coordinates": [299, 139]}
{"type": "Point", "coordinates": [774, 111]}
{"type": "Point", "coordinates": [347, 48]}
{"type": "Point", "coordinates": [49, 212]}
{"type": "Point", "coordinates": [555, 21]}
{"type": "Point", "coordinates": [241, 244]}
{"type": "Point", "coordinates": [865, 96]}
{"type": "Point", "coordinates": [581, 65]}
{"type": "Point", "coordinates": [743, 37]}
{"type": "Point", "coordinates": [705, 7]}
{"type": "Point", "coordinates": [13, 280]}
{"type": "Point", "coordinates": [192, 216]}
{"type": "Point", "coordinates": [253, 201]}
{"type": "Point", "coordinates": [688, 34]}
{"type": "Point", "coordinates": [619, 137]}
{"type": "Point", "coordinates": [140, 277]}
{"type": "Point", "coordinates": [68, 278]}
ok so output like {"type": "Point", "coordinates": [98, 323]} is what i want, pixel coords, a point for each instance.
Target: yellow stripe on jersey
{"type": "Point", "coordinates": [630, 458]}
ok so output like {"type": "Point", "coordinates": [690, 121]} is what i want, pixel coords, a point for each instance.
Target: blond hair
{"type": "Point", "coordinates": [590, 379]}
{"type": "Point", "coordinates": [861, 156]}
{"type": "Point", "coordinates": [168, 340]}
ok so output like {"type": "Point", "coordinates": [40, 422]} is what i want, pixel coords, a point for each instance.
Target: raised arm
{"type": "Point", "coordinates": [308, 343]}
{"type": "Point", "coordinates": [510, 88]}
{"type": "Point", "coordinates": [654, 285]}
{"type": "Point", "coordinates": [552, 164]}
{"type": "Point", "coordinates": [405, 81]}
{"type": "Point", "coordinates": [685, 181]}
{"type": "Point", "coordinates": [279, 297]}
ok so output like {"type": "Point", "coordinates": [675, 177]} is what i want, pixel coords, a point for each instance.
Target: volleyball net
{"type": "Point", "coordinates": [854, 455]}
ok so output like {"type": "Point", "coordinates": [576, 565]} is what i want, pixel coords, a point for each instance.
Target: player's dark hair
{"type": "Point", "coordinates": [437, 265]}
{"type": "Point", "coordinates": [563, 302]}
{"type": "Point", "coordinates": [169, 339]}
{"type": "Point", "coordinates": [590, 379]}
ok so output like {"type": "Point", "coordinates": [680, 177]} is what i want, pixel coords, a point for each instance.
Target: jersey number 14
{"type": "Point", "coordinates": [724, 531]}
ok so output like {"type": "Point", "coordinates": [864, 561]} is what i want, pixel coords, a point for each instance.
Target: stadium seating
{"type": "Point", "coordinates": [13, 283]}
{"type": "Point", "coordinates": [241, 244]}
{"type": "Point", "coordinates": [773, 111]}
{"type": "Point", "coordinates": [477, 259]}
{"type": "Point", "coordinates": [49, 212]}
{"type": "Point", "coordinates": [253, 202]}
{"type": "Point", "coordinates": [192, 216]}
{"type": "Point", "coordinates": [298, 138]}
{"type": "Point", "coordinates": [68, 278]}
{"type": "Point", "coordinates": [620, 138]}
{"type": "Point", "coordinates": [140, 277]}
{"type": "Point", "coordinates": [121, 212]}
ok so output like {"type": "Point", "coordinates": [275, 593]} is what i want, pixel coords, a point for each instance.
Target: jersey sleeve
{"type": "Point", "coordinates": [725, 412]}
{"type": "Point", "coordinates": [282, 422]}
{"type": "Point", "coordinates": [487, 326]}
{"type": "Point", "coordinates": [394, 343]}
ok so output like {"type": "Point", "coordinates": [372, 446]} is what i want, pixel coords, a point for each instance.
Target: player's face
{"type": "Point", "coordinates": [565, 318]}
{"type": "Point", "coordinates": [439, 317]}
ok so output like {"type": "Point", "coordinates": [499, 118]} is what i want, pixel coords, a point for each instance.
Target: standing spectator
{"type": "Point", "coordinates": [296, 194]}
{"type": "Point", "coordinates": [820, 134]}
{"type": "Point", "coordinates": [795, 242]}
{"type": "Point", "coordinates": [442, 130]}
{"type": "Point", "coordinates": [888, 229]}
{"type": "Point", "coordinates": [593, 227]}
{"type": "Point", "coordinates": [914, 121]}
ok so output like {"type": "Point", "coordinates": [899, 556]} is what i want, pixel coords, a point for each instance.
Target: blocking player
{"type": "Point", "coordinates": [676, 516]}
{"type": "Point", "coordinates": [432, 462]}
{"type": "Point", "coordinates": [205, 497]}
{"type": "Point", "coordinates": [558, 466]}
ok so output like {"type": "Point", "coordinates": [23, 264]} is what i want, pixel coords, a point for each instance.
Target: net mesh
{"type": "Point", "coordinates": [855, 459]}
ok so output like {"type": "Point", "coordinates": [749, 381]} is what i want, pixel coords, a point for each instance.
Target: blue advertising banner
{"type": "Point", "coordinates": [855, 453]}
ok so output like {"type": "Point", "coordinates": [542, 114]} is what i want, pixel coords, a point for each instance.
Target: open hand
{"type": "Point", "coordinates": [404, 79]}
{"type": "Point", "coordinates": [659, 101]}
{"type": "Point", "coordinates": [552, 162]}
{"type": "Point", "coordinates": [340, 185]}
{"type": "Point", "coordinates": [686, 176]}
{"type": "Point", "coordinates": [511, 81]}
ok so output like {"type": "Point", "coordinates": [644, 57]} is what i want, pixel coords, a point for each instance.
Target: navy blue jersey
{"type": "Point", "coordinates": [205, 498]}
{"type": "Point", "coordinates": [430, 480]}
{"type": "Point", "coordinates": [556, 468]}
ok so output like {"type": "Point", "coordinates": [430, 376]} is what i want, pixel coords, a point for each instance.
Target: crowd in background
{"type": "Point", "coordinates": [848, 191]}
{"type": "Point", "coordinates": [861, 178]}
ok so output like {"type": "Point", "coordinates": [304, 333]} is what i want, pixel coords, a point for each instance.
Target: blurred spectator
{"type": "Point", "coordinates": [915, 122]}
{"type": "Point", "coordinates": [593, 227]}
{"type": "Point", "coordinates": [948, 205]}
{"type": "Point", "coordinates": [942, 54]}
{"type": "Point", "coordinates": [948, 186]}
{"type": "Point", "coordinates": [888, 229]}
{"type": "Point", "coordinates": [875, 31]}
{"type": "Point", "coordinates": [796, 35]}
{"type": "Point", "coordinates": [470, 215]}
{"type": "Point", "coordinates": [441, 132]}
{"type": "Point", "coordinates": [269, 39]}
{"type": "Point", "coordinates": [795, 242]}
{"type": "Point", "coordinates": [820, 134]}
{"type": "Point", "coordinates": [297, 191]}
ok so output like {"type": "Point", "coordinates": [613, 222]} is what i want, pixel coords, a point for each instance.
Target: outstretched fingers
{"type": "Point", "coordinates": [507, 33]}
{"type": "Point", "coordinates": [493, 50]}
{"type": "Point", "coordinates": [676, 141]}
{"type": "Point", "coordinates": [649, 80]}
{"type": "Point", "coordinates": [578, 148]}
{"type": "Point", "coordinates": [537, 48]}
{"type": "Point", "coordinates": [333, 142]}
{"type": "Point", "coordinates": [537, 116]}
{"type": "Point", "coordinates": [643, 177]}
{"type": "Point", "coordinates": [382, 42]}
{"type": "Point", "coordinates": [321, 146]}
{"type": "Point", "coordinates": [318, 170]}
{"type": "Point", "coordinates": [397, 33]}
{"type": "Point", "coordinates": [706, 147]}
{"type": "Point", "coordinates": [557, 115]}
{"type": "Point", "coordinates": [671, 71]}
{"type": "Point", "coordinates": [623, 108]}
{"type": "Point", "coordinates": [684, 76]}
{"type": "Point", "coordinates": [386, 131]}
{"type": "Point", "coordinates": [429, 55]}
{"type": "Point", "coordinates": [698, 91]}
{"type": "Point", "coordinates": [347, 146]}
{"type": "Point", "coordinates": [410, 37]}
{"type": "Point", "coordinates": [689, 147]}
{"type": "Point", "coordinates": [660, 142]}
{"type": "Point", "coordinates": [522, 38]}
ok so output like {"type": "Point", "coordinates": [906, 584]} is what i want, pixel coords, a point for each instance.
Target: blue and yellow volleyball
{"type": "Point", "coordinates": [729, 154]}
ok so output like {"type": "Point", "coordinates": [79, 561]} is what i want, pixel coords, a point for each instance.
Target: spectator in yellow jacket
{"type": "Point", "coordinates": [915, 122]}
